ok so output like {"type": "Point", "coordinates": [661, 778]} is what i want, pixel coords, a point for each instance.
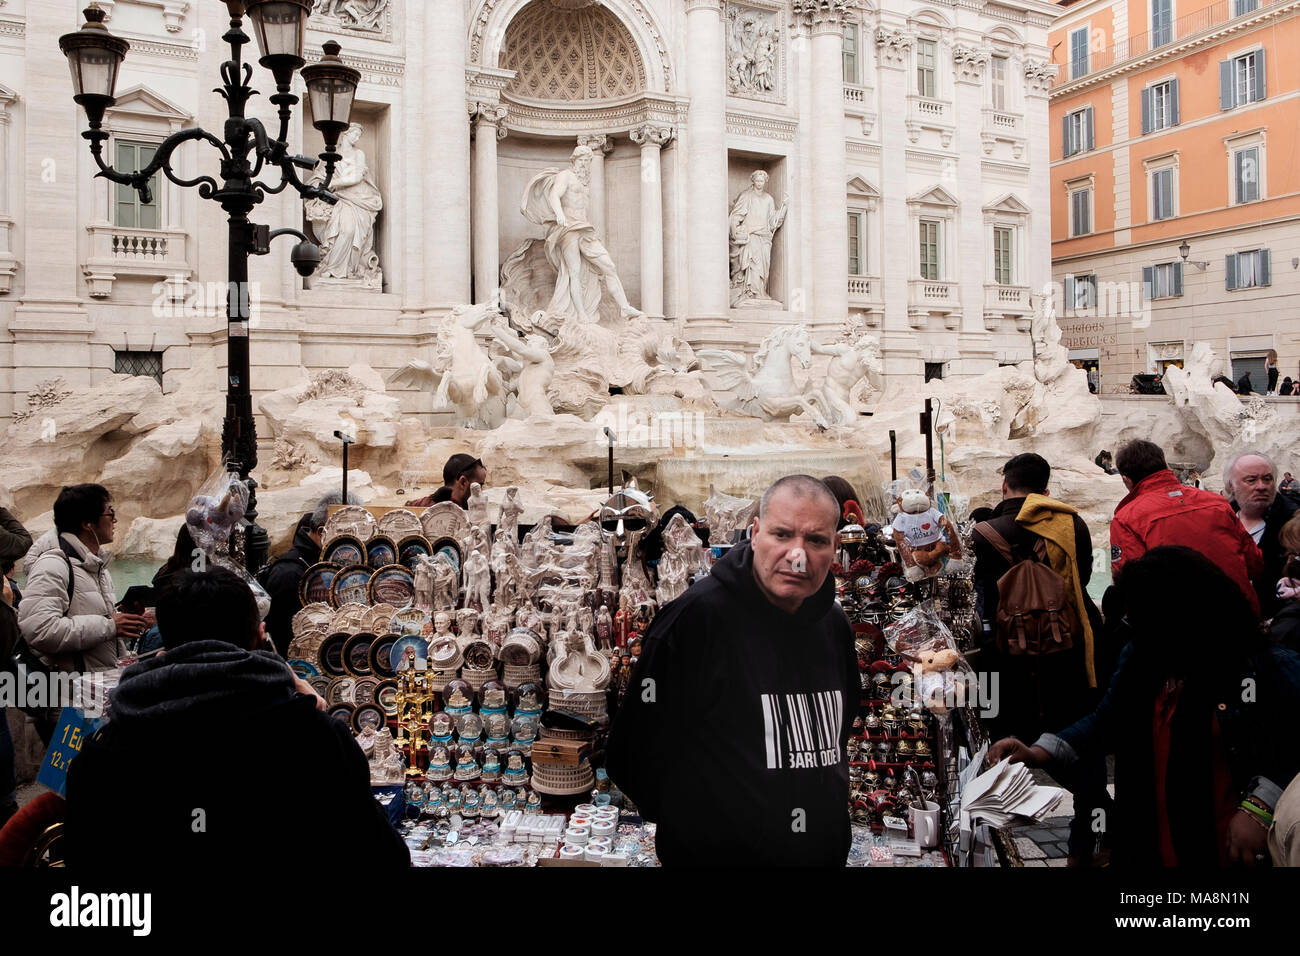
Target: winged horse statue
{"type": "Point", "coordinates": [766, 388]}
{"type": "Point", "coordinates": [464, 375]}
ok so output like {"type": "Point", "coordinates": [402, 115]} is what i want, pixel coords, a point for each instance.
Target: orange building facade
{"type": "Point", "coordinates": [1176, 184]}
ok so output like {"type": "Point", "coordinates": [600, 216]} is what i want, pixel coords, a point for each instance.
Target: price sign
{"type": "Point", "coordinates": [69, 736]}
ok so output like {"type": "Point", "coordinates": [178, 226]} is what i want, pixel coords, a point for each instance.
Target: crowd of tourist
{"type": "Point", "coordinates": [1187, 674]}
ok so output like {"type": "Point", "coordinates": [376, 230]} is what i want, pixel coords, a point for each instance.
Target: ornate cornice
{"type": "Point", "coordinates": [969, 63]}
{"type": "Point", "coordinates": [10, 27]}
{"type": "Point", "coordinates": [757, 126]}
{"type": "Point", "coordinates": [823, 16]}
{"type": "Point", "coordinates": [377, 70]}
{"type": "Point", "coordinates": [547, 118]}
{"type": "Point", "coordinates": [1038, 76]}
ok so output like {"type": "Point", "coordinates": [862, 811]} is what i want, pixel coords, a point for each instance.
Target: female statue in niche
{"type": "Point", "coordinates": [346, 230]}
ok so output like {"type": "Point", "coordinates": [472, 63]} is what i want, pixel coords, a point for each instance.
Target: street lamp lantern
{"type": "Point", "coordinates": [94, 57]}
{"type": "Point", "coordinates": [1185, 250]}
{"type": "Point", "coordinates": [247, 148]}
{"type": "Point", "coordinates": [331, 85]}
{"type": "Point", "coordinates": [279, 26]}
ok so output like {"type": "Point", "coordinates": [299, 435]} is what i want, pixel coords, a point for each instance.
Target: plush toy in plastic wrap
{"type": "Point", "coordinates": [926, 539]}
{"type": "Point", "coordinates": [941, 674]}
{"type": "Point", "coordinates": [212, 517]}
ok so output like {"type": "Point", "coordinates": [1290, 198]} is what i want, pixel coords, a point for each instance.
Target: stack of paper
{"type": "Point", "coordinates": [1004, 792]}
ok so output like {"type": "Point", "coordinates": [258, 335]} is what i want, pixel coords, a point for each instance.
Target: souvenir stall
{"type": "Point", "coordinates": [479, 670]}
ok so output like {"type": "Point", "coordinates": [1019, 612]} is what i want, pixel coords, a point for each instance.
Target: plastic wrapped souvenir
{"type": "Point", "coordinates": [216, 509]}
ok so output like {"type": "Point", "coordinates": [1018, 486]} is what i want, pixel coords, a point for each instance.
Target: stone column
{"type": "Point", "coordinates": [600, 146]}
{"type": "Point", "coordinates": [489, 126]}
{"type": "Point", "coordinates": [706, 146]}
{"type": "Point", "coordinates": [445, 160]}
{"type": "Point", "coordinates": [651, 139]}
{"type": "Point", "coordinates": [830, 251]}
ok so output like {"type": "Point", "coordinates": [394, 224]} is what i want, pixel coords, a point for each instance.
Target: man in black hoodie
{"type": "Point", "coordinates": [732, 734]}
{"type": "Point", "coordinates": [283, 575]}
{"type": "Point", "coordinates": [212, 759]}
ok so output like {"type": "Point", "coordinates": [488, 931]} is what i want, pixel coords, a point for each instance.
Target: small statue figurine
{"type": "Point", "coordinates": [444, 586]}
{"type": "Point", "coordinates": [441, 627]}
{"type": "Point", "coordinates": [604, 629]}
{"type": "Point", "coordinates": [506, 570]}
{"type": "Point", "coordinates": [508, 521]}
{"type": "Point", "coordinates": [477, 507]}
{"type": "Point", "coordinates": [478, 581]}
{"type": "Point", "coordinates": [622, 621]}
{"type": "Point", "coordinates": [467, 627]}
{"type": "Point", "coordinates": [424, 583]}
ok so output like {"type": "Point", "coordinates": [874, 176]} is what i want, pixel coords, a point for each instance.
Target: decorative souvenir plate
{"type": "Point", "coordinates": [348, 617]}
{"type": "Point", "coordinates": [344, 550]}
{"type": "Point", "coordinates": [342, 712]}
{"type": "Point", "coordinates": [381, 550]}
{"type": "Point", "coordinates": [306, 646]}
{"type": "Point", "coordinates": [368, 715]}
{"type": "Point", "coordinates": [342, 690]}
{"type": "Point", "coordinates": [314, 586]}
{"type": "Point", "coordinates": [356, 654]}
{"type": "Point", "coordinates": [313, 617]}
{"type": "Point", "coordinates": [386, 697]}
{"type": "Point", "coordinates": [376, 619]}
{"type": "Point", "coordinates": [478, 654]}
{"type": "Point", "coordinates": [446, 518]}
{"type": "Point", "coordinates": [331, 654]}
{"type": "Point", "coordinates": [303, 669]}
{"type": "Point", "coordinates": [381, 655]}
{"type": "Point", "coordinates": [350, 519]}
{"type": "Point", "coordinates": [392, 584]}
{"type": "Point", "coordinates": [449, 550]}
{"type": "Point", "coordinates": [405, 616]}
{"type": "Point", "coordinates": [321, 685]}
{"type": "Point", "coordinates": [409, 653]}
{"type": "Point", "coordinates": [398, 523]}
{"type": "Point", "coordinates": [351, 586]}
{"type": "Point", "coordinates": [411, 546]}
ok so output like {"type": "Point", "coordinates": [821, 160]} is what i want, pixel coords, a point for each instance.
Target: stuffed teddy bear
{"type": "Point", "coordinates": [924, 537]}
{"type": "Point", "coordinates": [936, 679]}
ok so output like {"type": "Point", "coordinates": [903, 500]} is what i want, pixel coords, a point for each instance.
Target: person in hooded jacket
{"type": "Point", "coordinates": [282, 577]}
{"type": "Point", "coordinates": [743, 698]}
{"type": "Point", "coordinates": [1200, 765]}
{"type": "Point", "coordinates": [212, 757]}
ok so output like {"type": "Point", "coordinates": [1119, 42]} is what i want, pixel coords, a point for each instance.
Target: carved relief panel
{"type": "Point", "coordinates": [755, 53]}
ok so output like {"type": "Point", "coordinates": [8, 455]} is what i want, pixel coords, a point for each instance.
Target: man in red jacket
{"type": "Point", "coordinates": [1160, 510]}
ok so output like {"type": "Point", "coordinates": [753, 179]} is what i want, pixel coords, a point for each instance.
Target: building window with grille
{"type": "Point", "coordinates": [851, 53]}
{"type": "Point", "coordinates": [128, 211]}
{"type": "Point", "coordinates": [1078, 53]}
{"type": "Point", "coordinates": [1160, 106]}
{"type": "Point", "coordinates": [1163, 281]}
{"type": "Point", "coordinates": [998, 81]}
{"type": "Point", "coordinates": [148, 364]}
{"type": "Point", "coordinates": [1246, 174]}
{"type": "Point", "coordinates": [1162, 22]}
{"type": "Point", "coordinates": [927, 52]}
{"type": "Point", "coordinates": [1002, 254]}
{"type": "Point", "coordinates": [1163, 194]}
{"type": "Point", "coordinates": [1080, 212]}
{"type": "Point", "coordinates": [857, 243]}
{"type": "Point", "coordinates": [1242, 80]}
{"type": "Point", "coordinates": [1077, 132]}
{"type": "Point", "coordinates": [930, 265]}
{"type": "Point", "coordinates": [1248, 270]}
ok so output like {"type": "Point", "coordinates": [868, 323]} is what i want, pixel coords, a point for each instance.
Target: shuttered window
{"type": "Point", "coordinates": [128, 211]}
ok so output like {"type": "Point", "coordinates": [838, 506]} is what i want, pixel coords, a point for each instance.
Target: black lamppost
{"type": "Point", "coordinates": [94, 56]}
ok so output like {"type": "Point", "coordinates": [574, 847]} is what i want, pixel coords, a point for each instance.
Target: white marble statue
{"type": "Point", "coordinates": [753, 222]}
{"type": "Point", "coordinates": [478, 580]}
{"type": "Point", "coordinates": [535, 376]}
{"type": "Point", "coordinates": [752, 39]}
{"type": "Point", "coordinates": [477, 508]}
{"type": "Point", "coordinates": [852, 360]}
{"type": "Point", "coordinates": [461, 370]}
{"type": "Point", "coordinates": [444, 586]}
{"type": "Point", "coordinates": [467, 619]}
{"type": "Point", "coordinates": [424, 583]}
{"type": "Point", "coordinates": [506, 572]}
{"type": "Point", "coordinates": [558, 199]}
{"type": "Point", "coordinates": [345, 231]}
{"type": "Point", "coordinates": [386, 765]}
{"type": "Point", "coordinates": [765, 386]}
{"type": "Point", "coordinates": [367, 15]}
{"type": "Point", "coordinates": [508, 520]}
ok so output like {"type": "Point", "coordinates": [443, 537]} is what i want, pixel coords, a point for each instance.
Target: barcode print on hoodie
{"type": "Point", "coordinates": [803, 730]}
